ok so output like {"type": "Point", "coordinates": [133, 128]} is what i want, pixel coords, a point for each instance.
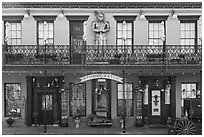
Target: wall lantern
{"type": "Point", "coordinates": [141, 14]}
{"type": "Point", "coordinates": [27, 15]}
{"type": "Point", "coordinates": [174, 16]}
{"type": "Point", "coordinates": [157, 82]}
{"type": "Point", "coordinates": [61, 15]}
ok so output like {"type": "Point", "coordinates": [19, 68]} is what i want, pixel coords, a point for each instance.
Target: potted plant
{"type": "Point", "coordinates": [35, 117]}
{"type": "Point", "coordinates": [10, 122]}
{"type": "Point", "coordinates": [64, 122]}
{"type": "Point", "coordinates": [76, 120]}
{"type": "Point", "coordinates": [121, 121]}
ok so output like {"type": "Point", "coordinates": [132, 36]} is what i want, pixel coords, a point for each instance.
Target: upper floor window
{"type": "Point", "coordinates": [13, 33]}
{"type": "Point", "coordinates": [156, 32]}
{"type": "Point", "coordinates": [188, 29]}
{"type": "Point", "coordinates": [125, 100]}
{"type": "Point", "coordinates": [45, 32]}
{"type": "Point", "coordinates": [188, 90]}
{"type": "Point", "coordinates": [124, 33]}
{"type": "Point", "coordinates": [12, 98]}
{"type": "Point", "coordinates": [188, 33]}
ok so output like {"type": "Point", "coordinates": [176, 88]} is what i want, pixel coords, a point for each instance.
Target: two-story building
{"type": "Point", "coordinates": [112, 59]}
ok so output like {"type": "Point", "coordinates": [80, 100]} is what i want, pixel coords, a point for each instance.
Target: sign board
{"type": "Point", "coordinates": [156, 103]}
{"type": "Point", "coordinates": [101, 76]}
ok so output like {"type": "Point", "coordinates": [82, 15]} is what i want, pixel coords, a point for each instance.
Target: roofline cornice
{"type": "Point", "coordinates": [119, 5]}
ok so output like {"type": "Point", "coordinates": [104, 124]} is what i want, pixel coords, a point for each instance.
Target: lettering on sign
{"type": "Point", "coordinates": [101, 76]}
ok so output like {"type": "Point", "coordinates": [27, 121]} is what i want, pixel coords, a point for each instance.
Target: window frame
{"type": "Point", "coordinates": [159, 39]}
{"type": "Point", "coordinates": [10, 31]}
{"type": "Point", "coordinates": [182, 99]}
{"type": "Point", "coordinates": [132, 31]}
{"type": "Point", "coordinates": [132, 115]}
{"type": "Point", "coordinates": [196, 30]}
{"type": "Point", "coordinates": [5, 101]}
{"type": "Point", "coordinates": [42, 21]}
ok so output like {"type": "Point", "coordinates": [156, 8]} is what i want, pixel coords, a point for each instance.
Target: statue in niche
{"type": "Point", "coordinates": [101, 98]}
{"type": "Point", "coordinates": [100, 27]}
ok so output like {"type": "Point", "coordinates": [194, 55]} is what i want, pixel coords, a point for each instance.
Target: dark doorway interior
{"type": "Point", "coordinates": [43, 88]}
{"type": "Point", "coordinates": [101, 97]}
{"type": "Point", "coordinates": [45, 104]}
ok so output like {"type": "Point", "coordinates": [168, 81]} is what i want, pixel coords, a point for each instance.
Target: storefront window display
{"type": "Point", "coordinates": [127, 97]}
{"type": "Point", "coordinates": [12, 99]}
{"type": "Point", "coordinates": [77, 97]}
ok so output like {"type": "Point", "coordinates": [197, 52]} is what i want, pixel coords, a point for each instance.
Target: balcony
{"type": "Point", "coordinates": [98, 55]}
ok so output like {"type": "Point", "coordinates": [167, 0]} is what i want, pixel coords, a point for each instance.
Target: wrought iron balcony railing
{"type": "Point", "coordinates": [110, 54]}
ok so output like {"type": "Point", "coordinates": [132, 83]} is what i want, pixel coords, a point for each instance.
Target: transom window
{"type": "Point", "coordinates": [12, 98]}
{"type": "Point", "coordinates": [188, 90]}
{"type": "Point", "coordinates": [13, 33]}
{"type": "Point", "coordinates": [125, 100]}
{"type": "Point", "coordinates": [155, 32]}
{"type": "Point", "coordinates": [45, 32]}
{"type": "Point", "coordinates": [188, 33]}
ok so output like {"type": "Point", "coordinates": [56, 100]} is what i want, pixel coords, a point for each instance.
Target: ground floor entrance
{"type": "Point", "coordinates": [156, 106]}
{"type": "Point", "coordinates": [44, 101]}
{"type": "Point", "coordinates": [158, 99]}
{"type": "Point", "coordinates": [45, 104]}
{"type": "Point", "coordinates": [51, 99]}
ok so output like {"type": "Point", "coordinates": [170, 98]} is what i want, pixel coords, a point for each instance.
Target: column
{"type": "Point", "coordinates": [141, 31]}
{"type": "Point", "coordinates": [29, 33]}
{"type": "Point", "coordinates": [29, 101]}
{"type": "Point", "coordinates": [173, 97]}
{"type": "Point", "coordinates": [61, 31]}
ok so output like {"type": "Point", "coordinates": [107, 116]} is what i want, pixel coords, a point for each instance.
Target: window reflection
{"type": "Point", "coordinates": [47, 100]}
{"type": "Point", "coordinates": [188, 90]}
{"type": "Point", "coordinates": [188, 32]}
{"type": "Point", "coordinates": [127, 97]}
{"type": "Point", "coordinates": [13, 99]}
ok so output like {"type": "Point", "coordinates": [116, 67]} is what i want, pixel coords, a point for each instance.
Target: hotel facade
{"type": "Point", "coordinates": [62, 60]}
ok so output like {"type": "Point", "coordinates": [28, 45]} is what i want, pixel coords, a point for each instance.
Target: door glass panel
{"type": "Point", "coordinates": [156, 103]}
{"type": "Point", "coordinates": [77, 43]}
{"type": "Point", "coordinates": [47, 101]}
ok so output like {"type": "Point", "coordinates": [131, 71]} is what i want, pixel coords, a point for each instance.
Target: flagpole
{"type": "Point", "coordinates": [84, 37]}
{"type": "Point", "coordinates": [163, 37]}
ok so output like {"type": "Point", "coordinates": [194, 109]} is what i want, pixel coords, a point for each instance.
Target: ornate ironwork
{"type": "Point", "coordinates": [110, 54]}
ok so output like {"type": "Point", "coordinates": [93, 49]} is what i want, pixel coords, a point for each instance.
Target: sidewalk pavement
{"type": "Point", "coordinates": [82, 131]}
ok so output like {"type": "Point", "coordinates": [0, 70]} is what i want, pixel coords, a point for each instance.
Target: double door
{"type": "Point", "coordinates": [76, 34]}
{"type": "Point", "coordinates": [46, 108]}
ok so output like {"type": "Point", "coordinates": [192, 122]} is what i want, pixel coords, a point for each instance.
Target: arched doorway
{"type": "Point", "coordinates": [101, 97]}
{"type": "Point", "coordinates": [95, 97]}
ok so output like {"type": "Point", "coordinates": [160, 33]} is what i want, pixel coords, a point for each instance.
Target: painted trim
{"type": "Point", "coordinates": [102, 5]}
